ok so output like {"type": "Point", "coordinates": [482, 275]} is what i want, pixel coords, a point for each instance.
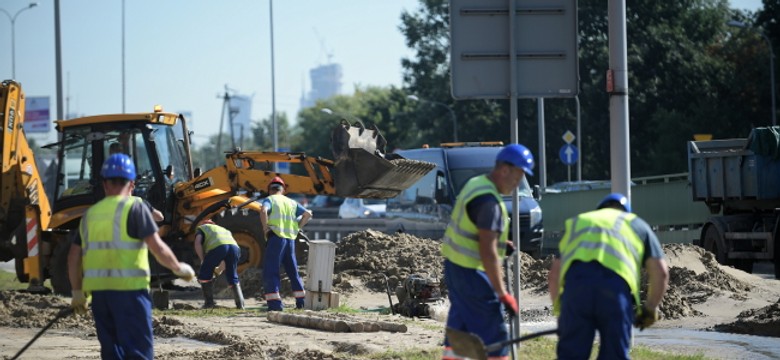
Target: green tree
{"type": "Point", "coordinates": [680, 74]}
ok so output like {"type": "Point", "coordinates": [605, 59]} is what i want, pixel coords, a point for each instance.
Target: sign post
{"type": "Point", "coordinates": [569, 153]}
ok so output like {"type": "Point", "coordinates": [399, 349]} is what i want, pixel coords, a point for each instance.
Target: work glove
{"type": "Point", "coordinates": [509, 303]}
{"type": "Point", "coordinates": [646, 318]}
{"type": "Point", "coordinates": [185, 272]}
{"type": "Point", "coordinates": [79, 302]}
{"type": "Point", "coordinates": [510, 248]}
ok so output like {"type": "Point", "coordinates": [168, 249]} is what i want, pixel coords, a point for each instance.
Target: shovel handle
{"type": "Point", "coordinates": [63, 313]}
{"type": "Point", "coordinates": [497, 346]}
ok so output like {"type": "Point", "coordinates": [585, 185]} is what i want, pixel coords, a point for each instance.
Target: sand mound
{"type": "Point", "coordinates": [369, 254]}
{"type": "Point", "coordinates": [764, 321]}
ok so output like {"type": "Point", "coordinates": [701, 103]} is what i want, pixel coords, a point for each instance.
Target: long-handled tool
{"type": "Point", "coordinates": [63, 313]}
{"type": "Point", "coordinates": [389, 298]}
{"type": "Point", "coordinates": [471, 346]}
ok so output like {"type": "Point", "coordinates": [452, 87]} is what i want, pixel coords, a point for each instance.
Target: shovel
{"type": "Point", "coordinates": [63, 313]}
{"type": "Point", "coordinates": [471, 346]}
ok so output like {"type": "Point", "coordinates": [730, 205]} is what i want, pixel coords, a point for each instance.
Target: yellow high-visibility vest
{"type": "Point", "coordinates": [282, 219]}
{"type": "Point", "coordinates": [112, 260]}
{"type": "Point", "coordinates": [461, 239]}
{"type": "Point", "coordinates": [215, 235]}
{"type": "Point", "coordinates": [604, 236]}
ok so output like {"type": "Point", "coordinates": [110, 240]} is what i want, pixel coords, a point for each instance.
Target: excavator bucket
{"type": "Point", "coordinates": [363, 170]}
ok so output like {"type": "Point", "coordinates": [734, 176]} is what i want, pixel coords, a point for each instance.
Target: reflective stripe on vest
{"type": "Point", "coordinates": [112, 260]}
{"type": "Point", "coordinates": [215, 235]}
{"type": "Point", "coordinates": [282, 219]}
{"type": "Point", "coordinates": [604, 236]}
{"type": "Point", "coordinates": [461, 239]}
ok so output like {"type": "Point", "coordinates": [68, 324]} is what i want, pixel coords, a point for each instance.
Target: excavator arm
{"type": "Point", "coordinates": [24, 205]}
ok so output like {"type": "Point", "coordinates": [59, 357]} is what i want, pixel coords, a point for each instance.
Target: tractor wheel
{"type": "Point", "coordinates": [248, 234]}
{"type": "Point", "coordinates": [58, 268]}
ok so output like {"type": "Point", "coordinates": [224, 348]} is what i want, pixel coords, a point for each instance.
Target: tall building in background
{"type": "Point", "coordinates": [325, 82]}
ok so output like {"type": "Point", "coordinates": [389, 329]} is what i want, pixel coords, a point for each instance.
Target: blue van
{"type": "Point", "coordinates": [424, 208]}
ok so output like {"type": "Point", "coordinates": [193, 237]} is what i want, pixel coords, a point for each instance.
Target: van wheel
{"type": "Point", "coordinates": [247, 233]}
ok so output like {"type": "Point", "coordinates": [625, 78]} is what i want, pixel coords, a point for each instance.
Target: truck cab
{"type": "Point", "coordinates": [424, 209]}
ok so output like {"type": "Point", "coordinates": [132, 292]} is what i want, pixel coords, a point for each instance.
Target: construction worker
{"type": "Point", "coordinates": [109, 260]}
{"type": "Point", "coordinates": [279, 216]}
{"type": "Point", "coordinates": [220, 247]}
{"type": "Point", "coordinates": [474, 245]}
{"type": "Point", "coordinates": [595, 283]}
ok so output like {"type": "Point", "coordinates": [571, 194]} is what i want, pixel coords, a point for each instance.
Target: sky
{"type": "Point", "coordinates": [181, 54]}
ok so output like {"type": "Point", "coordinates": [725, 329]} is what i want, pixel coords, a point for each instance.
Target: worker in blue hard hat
{"type": "Point", "coordinates": [595, 282]}
{"type": "Point", "coordinates": [474, 245]}
{"type": "Point", "coordinates": [108, 259]}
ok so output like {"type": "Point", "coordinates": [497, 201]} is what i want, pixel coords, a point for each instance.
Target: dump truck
{"type": "Point", "coordinates": [35, 230]}
{"type": "Point", "coordinates": [738, 181]}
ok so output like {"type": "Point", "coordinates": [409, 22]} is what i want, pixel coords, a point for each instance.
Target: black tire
{"type": "Point", "coordinates": [249, 236]}
{"type": "Point", "coordinates": [710, 242]}
{"type": "Point", "coordinates": [58, 268]}
{"type": "Point", "coordinates": [745, 265]}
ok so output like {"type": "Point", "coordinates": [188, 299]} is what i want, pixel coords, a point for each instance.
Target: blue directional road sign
{"type": "Point", "coordinates": [569, 154]}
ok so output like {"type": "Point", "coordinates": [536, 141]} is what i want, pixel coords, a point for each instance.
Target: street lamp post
{"type": "Point", "coordinates": [452, 113]}
{"type": "Point", "coordinates": [13, 34]}
{"type": "Point", "coordinates": [742, 25]}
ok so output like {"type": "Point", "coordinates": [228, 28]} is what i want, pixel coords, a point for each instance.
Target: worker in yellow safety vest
{"type": "Point", "coordinates": [281, 218]}
{"type": "Point", "coordinates": [216, 247]}
{"type": "Point", "coordinates": [474, 245]}
{"type": "Point", "coordinates": [108, 259]}
{"type": "Point", "coordinates": [595, 281]}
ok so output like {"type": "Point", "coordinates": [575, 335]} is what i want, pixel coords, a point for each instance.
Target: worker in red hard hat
{"type": "Point", "coordinates": [281, 218]}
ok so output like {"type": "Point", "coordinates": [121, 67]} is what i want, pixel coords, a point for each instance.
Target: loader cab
{"type": "Point", "coordinates": [156, 142]}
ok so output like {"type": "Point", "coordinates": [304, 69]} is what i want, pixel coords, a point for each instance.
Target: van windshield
{"type": "Point", "coordinates": [460, 176]}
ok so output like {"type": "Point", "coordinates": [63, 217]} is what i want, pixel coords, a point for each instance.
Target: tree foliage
{"type": "Point", "coordinates": [687, 73]}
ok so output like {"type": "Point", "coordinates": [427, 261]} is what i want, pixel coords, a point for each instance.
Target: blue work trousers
{"type": "Point", "coordinates": [474, 306]}
{"type": "Point", "coordinates": [123, 320]}
{"type": "Point", "coordinates": [594, 299]}
{"type": "Point", "coordinates": [280, 252]}
{"type": "Point", "coordinates": [230, 254]}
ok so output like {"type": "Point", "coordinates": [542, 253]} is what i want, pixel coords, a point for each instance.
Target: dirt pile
{"type": "Point", "coordinates": [764, 322]}
{"type": "Point", "coordinates": [367, 255]}
{"type": "Point", "coordinates": [694, 277]}
{"type": "Point", "coordinates": [533, 272]}
{"type": "Point", "coordinates": [25, 310]}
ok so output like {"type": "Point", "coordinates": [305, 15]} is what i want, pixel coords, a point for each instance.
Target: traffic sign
{"type": "Point", "coordinates": [545, 38]}
{"type": "Point", "coordinates": [569, 154]}
{"type": "Point", "coordinates": [568, 137]}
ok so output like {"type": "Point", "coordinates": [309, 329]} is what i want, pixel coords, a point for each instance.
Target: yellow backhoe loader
{"type": "Point", "coordinates": [34, 229]}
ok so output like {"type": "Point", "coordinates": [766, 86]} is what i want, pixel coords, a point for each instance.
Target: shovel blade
{"type": "Point", "coordinates": [466, 344]}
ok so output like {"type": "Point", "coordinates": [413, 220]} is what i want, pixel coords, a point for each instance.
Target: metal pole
{"type": "Point", "coordinates": [13, 47]}
{"type": "Point", "coordinates": [13, 34]}
{"type": "Point", "coordinates": [579, 139]}
{"type": "Point", "coordinates": [515, 325]}
{"type": "Point", "coordinates": [123, 56]}
{"type": "Point", "coordinates": [542, 141]}
{"type": "Point", "coordinates": [771, 76]}
{"type": "Point", "coordinates": [273, 86]}
{"type": "Point", "coordinates": [58, 61]}
{"type": "Point", "coordinates": [618, 99]}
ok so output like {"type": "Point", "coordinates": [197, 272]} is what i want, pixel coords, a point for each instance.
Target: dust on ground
{"type": "Point", "coordinates": [702, 294]}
